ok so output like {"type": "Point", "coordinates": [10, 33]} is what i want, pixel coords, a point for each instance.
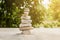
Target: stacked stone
{"type": "Point", "coordinates": [25, 21]}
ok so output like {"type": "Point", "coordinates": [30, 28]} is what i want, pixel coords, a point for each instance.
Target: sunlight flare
{"type": "Point", "coordinates": [46, 3]}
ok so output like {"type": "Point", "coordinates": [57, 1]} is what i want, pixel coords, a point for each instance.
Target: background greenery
{"type": "Point", "coordinates": [11, 11]}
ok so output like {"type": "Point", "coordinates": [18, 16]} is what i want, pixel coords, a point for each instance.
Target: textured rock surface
{"type": "Point", "coordinates": [36, 34]}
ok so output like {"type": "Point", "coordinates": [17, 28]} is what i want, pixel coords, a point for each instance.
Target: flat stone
{"type": "Point", "coordinates": [25, 28]}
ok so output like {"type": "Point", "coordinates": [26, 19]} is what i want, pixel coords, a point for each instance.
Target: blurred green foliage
{"type": "Point", "coordinates": [11, 11]}
{"type": "Point", "coordinates": [9, 16]}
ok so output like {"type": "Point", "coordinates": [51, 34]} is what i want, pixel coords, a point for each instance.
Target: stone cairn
{"type": "Point", "coordinates": [26, 21]}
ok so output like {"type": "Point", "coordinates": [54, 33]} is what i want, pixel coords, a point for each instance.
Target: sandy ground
{"type": "Point", "coordinates": [36, 34]}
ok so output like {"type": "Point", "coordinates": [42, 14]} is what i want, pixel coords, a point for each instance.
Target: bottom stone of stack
{"type": "Point", "coordinates": [25, 28]}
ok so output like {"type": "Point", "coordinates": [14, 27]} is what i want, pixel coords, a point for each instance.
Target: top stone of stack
{"type": "Point", "coordinates": [26, 14]}
{"type": "Point", "coordinates": [26, 10]}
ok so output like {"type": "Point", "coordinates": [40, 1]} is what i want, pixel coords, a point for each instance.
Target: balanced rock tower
{"type": "Point", "coordinates": [26, 21]}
